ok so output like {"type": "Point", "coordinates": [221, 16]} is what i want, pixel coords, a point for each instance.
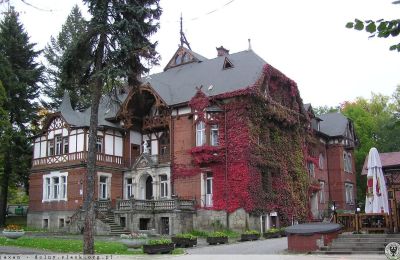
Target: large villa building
{"type": "Point", "coordinates": [222, 141]}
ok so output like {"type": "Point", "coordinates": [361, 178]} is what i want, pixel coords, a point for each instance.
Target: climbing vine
{"type": "Point", "coordinates": [260, 162]}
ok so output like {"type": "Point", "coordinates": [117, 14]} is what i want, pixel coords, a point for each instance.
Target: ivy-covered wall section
{"type": "Point", "coordinates": [259, 164]}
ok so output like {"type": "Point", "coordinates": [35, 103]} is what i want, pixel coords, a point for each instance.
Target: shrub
{"type": "Point", "coordinates": [273, 230]}
{"type": "Point", "coordinates": [252, 232]}
{"type": "Point", "coordinates": [186, 235]}
{"type": "Point", "coordinates": [161, 241]}
{"type": "Point", "coordinates": [199, 233]}
{"type": "Point", "coordinates": [13, 227]}
{"type": "Point", "coordinates": [217, 234]}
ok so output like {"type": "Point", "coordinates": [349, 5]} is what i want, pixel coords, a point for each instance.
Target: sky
{"type": "Point", "coordinates": [306, 40]}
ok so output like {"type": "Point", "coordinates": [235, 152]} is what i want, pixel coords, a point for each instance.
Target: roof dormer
{"type": "Point", "coordinates": [183, 56]}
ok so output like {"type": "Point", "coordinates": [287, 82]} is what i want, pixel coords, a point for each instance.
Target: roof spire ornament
{"type": "Point", "coordinates": [183, 37]}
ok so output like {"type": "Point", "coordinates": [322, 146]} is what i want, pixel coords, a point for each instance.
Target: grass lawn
{"type": "Point", "coordinates": [71, 245]}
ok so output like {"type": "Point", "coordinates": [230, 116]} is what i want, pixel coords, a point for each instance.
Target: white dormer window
{"type": "Point", "coordinates": [200, 133]}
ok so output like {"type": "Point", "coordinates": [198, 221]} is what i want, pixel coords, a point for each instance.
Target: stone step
{"type": "Point", "coordinates": [349, 252]}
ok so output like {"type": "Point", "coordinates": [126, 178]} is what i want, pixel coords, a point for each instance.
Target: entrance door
{"type": "Point", "coordinates": [135, 152]}
{"type": "Point", "coordinates": [164, 226]}
{"type": "Point", "coordinates": [149, 188]}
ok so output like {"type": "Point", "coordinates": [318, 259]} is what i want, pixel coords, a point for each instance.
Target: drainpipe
{"type": "Point", "coordinates": [226, 170]}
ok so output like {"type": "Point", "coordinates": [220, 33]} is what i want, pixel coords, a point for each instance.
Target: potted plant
{"type": "Point", "coordinates": [272, 233]}
{"type": "Point", "coordinates": [249, 235]}
{"type": "Point", "coordinates": [184, 240]}
{"type": "Point", "coordinates": [217, 238]}
{"type": "Point", "coordinates": [134, 240]}
{"type": "Point", "coordinates": [155, 246]}
{"type": "Point", "coordinates": [13, 231]}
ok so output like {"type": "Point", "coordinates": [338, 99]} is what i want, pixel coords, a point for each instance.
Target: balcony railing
{"type": "Point", "coordinates": [375, 222]}
{"type": "Point", "coordinates": [153, 122]}
{"type": "Point", "coordinates": [155, 205]}
{"type": "Point", "coordinates": [76, 157]}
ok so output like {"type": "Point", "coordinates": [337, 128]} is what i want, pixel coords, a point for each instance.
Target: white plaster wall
{"type": "Point", "coordinates": [72, 144]}
{"type": "Point", "coordinates": [36, 150]}
{"type": "Point", "coordinates": [108, 145]}
{"type": "Point", "coordinates": [51, 135]}
{"type": "Point", "coordinates": [43, 149]}
{"type": "Point", "coordinates": [64, 132]}
{"type": "Point", "coordinates": [80, 141]}
{"type": "Point", "coordinates": [135, 137]}
{"type": "Point", "coordinates": [118, 146]}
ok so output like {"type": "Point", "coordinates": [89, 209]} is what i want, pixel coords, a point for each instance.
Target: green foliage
{"type": "Point", "coordinates": [161, 241]}
{"type": "Point", "coordinates": [252, 232]}
{"type": "Point", "coordinates": [380, 28]}
{"type": "Point", "coordinates": [325, 110]}
{"type": "Point", "coordinates": [217, 225]}
{"type": "Point", "coordinates": [199, 233]}
{"type": "Point", "coordinates": [217, 234]}
{"type": "Point", "coordinates": [65, 245]}
{"type": "Point", "coordinates": [273, 230]}
{"type": "Point", "coordinates": [55, 54]}
{"type": "Point", "coordinates": [186, 235]}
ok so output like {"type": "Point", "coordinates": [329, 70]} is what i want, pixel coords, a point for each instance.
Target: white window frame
{"type": "Point", "coordinates": [50, 147]}
{"type": "Point", "coordinates": [214, 135]}
{"type": "Point", "coordinates": [58, 144]}
{"type": "Point", "coordinates": [65, 146]}
{"type": "Point", "coordinates": [99, 144]}
{"type": "Point", "coordinates": [106, 184]}
{"type": "Point", "coordinates": [349, 191]}
{"type": "Point", "coordinates": [209, 190]}
{"type": "Point", "coordinates": [322, 192]}
{"type": "Point", "coordinates": [128, 188]}
{"type": "Point", "coordinates": [321, 161]}
{"type": "Point", "coordinates": [200, 133]}
{"type": "Point", "coordinates": [163, 186]}
{"type": "Point", "coordinates": [53, 191]}
{"type": "Point", "coordinates": [311, 169]}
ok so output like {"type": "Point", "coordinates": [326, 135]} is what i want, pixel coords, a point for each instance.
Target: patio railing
{"type": "Point", "coordinates": [369, 222]}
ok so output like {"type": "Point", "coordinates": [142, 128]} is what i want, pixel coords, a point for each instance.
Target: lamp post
{"type": "Point", "coordinates": [334, 211]}
{"type": "Point", "coordinates": [357, 211]}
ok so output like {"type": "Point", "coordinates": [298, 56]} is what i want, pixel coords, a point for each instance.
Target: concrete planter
{"type": "Point", "coordinates": [217, 240]}
{"type": "Point", "coordinates": [13, 234]}
{"type": "Point", "coordinates": [184, 242]}
{"type": "Point", "coordinates": [249, 237]}
{"type": "Point", "coordinates": [160, 248]}
{"type": "Point", "coordinates": [134, 243]}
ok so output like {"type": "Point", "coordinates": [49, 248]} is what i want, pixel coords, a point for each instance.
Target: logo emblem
{"type": "Point", "coordinates": [392, 251]}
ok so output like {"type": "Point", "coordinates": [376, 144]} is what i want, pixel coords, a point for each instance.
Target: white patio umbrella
{"type": "Point", "coordinates": [377, 197]}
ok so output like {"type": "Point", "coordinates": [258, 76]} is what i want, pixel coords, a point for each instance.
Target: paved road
{"type": "Point", "coordinates": [266, 246]}
{"type": "Point", "coordinates": [22, 250]}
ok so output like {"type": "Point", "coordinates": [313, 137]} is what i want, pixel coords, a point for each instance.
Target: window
{"type": "Point", "coordinates": [209, 190]}
{"type": "Point", "coordinates": [65, 145]}
{"type": "Point", "coordinates": [61, 223]}
{"type": "Point", "coordinates": [99, 144]}
{"type": "Point", "coordinates": [321, 161]}
{"type": "Point", "coordinates": [349, 193]}
{"type": "Point", "coordinates": [103, 188]}
{"type": "Point", "coordinates": [200, 133]}
{"type": "Point", "coordinates": [163, 186]}
{"type": "Point", "coordinates": [311, 171]}
{"type": "Point", "coordinates": [58, 140]}
{"type": "Point", "coordinates": [347, 162]}
{"type": "Point", "coordinates": [129, 188]}
{"type": "Point", "coordinates": [214, 135]}
{"type": "Point", "coordinates": [50, 145]}
{"type": "Point", "coordinates": [55, 186]}
{"type": "Point", "coordinates": [322, 192]}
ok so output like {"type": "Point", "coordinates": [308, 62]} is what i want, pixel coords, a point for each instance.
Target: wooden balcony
{"type": "Point", "coordinates": [155, 205]}
{"type": "Point", "coordinates": [78, 157]}
{"type": "Point", "coordinates": [156, 122]}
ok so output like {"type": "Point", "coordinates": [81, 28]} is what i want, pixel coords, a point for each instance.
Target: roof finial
{"type": "Point", "coordinates": [249, 49]}
{"type": "Point", "coordinates": [183, 37]}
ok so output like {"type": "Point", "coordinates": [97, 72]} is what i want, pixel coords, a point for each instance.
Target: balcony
{"type": "Point", "coordinates": [156, 122]}
{"type": "Point", "coordinates": [155, 205]}
{"type": "Point", "coordinates": [78, 157]}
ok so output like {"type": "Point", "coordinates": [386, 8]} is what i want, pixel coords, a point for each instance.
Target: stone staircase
{"type": "Point", "coordinates": [116, 229]}
{"type": "Point", "coordinates": [360, 244]}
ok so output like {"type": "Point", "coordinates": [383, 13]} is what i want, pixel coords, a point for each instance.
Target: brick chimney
{"type": "Point", "coordinates": [222, 51]}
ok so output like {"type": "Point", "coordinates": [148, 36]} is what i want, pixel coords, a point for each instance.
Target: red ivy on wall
{"type": "Point", "coordinates": [239, 162]}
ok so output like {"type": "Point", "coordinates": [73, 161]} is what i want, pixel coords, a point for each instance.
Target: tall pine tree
{"type": "Point", "coordinates": [58, 80]}
{"type": "Point", "coordinates": [116, 44]}
{"type": "Point", "coordinates": [20, 75]}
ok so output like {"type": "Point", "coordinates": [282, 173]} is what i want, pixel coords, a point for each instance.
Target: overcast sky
{"type": "Point", "coordinates": [306, 40]}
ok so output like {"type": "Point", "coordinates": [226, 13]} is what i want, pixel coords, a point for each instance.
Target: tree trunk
{"type": "Point", "coordinates": [88, 235]}
{"type": "Point", "coordinates": [4, 188]}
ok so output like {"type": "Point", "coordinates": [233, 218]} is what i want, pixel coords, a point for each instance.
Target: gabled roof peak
{"type": "Point", "coordinates": [183, 56]}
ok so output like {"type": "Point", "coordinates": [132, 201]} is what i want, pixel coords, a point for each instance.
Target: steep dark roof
{"type": "Point", "coordinates": [108, 109]}
{"type": "Point", "coordinates": [333, 124]}
{"type": "Point", "coordinates": [178, 85]}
